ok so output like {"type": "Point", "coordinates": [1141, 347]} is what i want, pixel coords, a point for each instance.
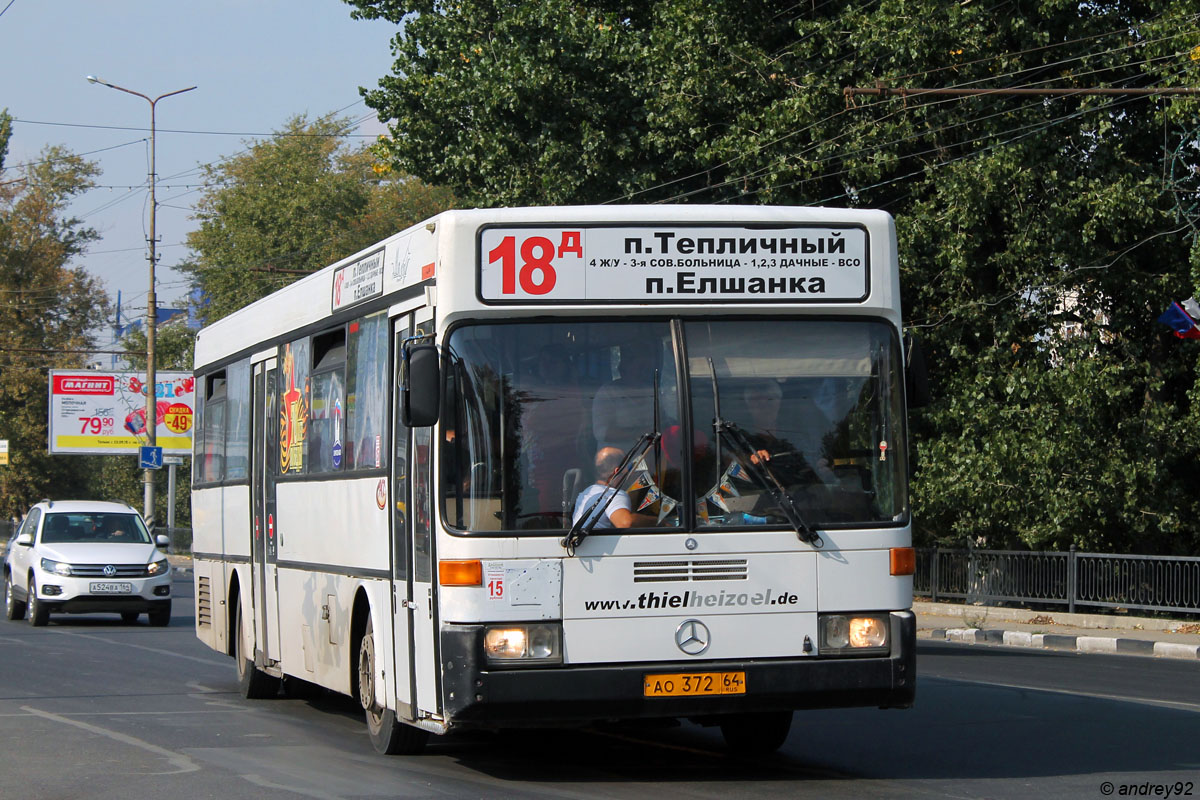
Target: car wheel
{"type": "Point", "coordinates": [253, 682]}
{"type": "Point", "coordinates": [160, 615]}
{"type": "Point", "coordinates": [389, 736]}
{"type": "Point", "coordinates": [39, 613]}
{"type": "Point", "coordinates": [756, 734]}
{"type": "Point", "coordinates": [13, 608]}
{"type": "Point", "coordinates": [129, 617]}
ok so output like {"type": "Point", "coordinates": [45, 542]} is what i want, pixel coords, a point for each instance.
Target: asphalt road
{"type": "Point", "coordinates": [91, 708]}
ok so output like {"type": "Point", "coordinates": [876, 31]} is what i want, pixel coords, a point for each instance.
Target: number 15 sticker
{"type": "Point", "coordinates": [494, 581]}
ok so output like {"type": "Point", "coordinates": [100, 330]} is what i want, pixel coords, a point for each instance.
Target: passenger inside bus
{"type": "Point", "coordinates": [797, 460]}
{"type": "Point", "coordinates": [610, 506]}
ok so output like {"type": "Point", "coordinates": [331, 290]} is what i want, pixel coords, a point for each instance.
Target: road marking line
{"type": "Point", "coordinates": [160, 651]}
{"type": "Point", "coordinates": [1075, 693]}
{"type": "Point", "coordinates": [181, 762]}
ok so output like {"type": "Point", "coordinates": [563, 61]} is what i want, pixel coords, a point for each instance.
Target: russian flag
{"type": "Point", "coordinates": [1178, 320]}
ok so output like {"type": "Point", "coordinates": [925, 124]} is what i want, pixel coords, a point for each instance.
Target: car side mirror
{"type": "Point", "coordinates": [25, 540]}
{"type": "Point", "coordinates": [162, 541]}
{"type": "Point", "coordinates": [420, 391]}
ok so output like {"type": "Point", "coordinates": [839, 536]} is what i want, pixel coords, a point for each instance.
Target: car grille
{"type": "Point", "coordinates": [97, 570]}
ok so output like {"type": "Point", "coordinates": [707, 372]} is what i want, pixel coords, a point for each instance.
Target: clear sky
{"type": "Point", "coordinates": [255, 63]}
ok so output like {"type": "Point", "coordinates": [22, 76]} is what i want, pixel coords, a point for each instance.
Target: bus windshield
{"type": "Point", "coordinates": [529, 406]}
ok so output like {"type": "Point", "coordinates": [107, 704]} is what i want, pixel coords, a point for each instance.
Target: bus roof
{"type": "Point", "coordinates": [400, 266]}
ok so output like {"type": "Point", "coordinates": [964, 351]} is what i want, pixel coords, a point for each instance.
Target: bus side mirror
{"type": "Point", "coordinates": [916, 374]}
{"type": "Point", "coordinates": [420, 396]}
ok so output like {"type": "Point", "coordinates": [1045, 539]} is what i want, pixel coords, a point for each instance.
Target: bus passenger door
{"type": "Point", "coordinates": [262, 501]}
{"type": "Point", "coordinates": [414, 544]}
{"type": "Point", "coordinates": [401, 538]}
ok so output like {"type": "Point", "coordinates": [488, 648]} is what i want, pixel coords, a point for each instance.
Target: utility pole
{"type": "Point", "coordinates": [152, 304]}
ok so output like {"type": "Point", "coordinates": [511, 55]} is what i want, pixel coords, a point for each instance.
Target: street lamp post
{"type": "Point", "coordinates": [152, 303]}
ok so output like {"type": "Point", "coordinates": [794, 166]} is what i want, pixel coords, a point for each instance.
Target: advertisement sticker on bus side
{"type": "Point", "coordinates": [673, 264]}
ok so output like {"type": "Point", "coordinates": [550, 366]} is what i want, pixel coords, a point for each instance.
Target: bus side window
{"type": "Point", "coordinates": [327, 416]}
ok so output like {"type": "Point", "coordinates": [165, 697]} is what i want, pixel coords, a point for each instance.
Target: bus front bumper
{"type": "Point", "coordinates": [477, 696]}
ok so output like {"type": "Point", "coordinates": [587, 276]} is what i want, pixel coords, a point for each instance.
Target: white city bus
{"type": "Point", "coordinates": [550, 466]}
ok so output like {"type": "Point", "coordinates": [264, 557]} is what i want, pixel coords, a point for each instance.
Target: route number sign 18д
{"type": "Point", "coordinates": [673, 264]}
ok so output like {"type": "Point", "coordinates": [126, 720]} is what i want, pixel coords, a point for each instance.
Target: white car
{"type": "Point", "coordinates": [79, 556]}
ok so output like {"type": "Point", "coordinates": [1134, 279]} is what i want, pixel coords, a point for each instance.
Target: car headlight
{"type": "Point", "coordinates": [850, 634]}
{"type": "Point", "coordinates": [516, 645]}
{"type": "Point", "coordinates": [158, 567]}
{"type": "Point", "coordinates": [56, 567]}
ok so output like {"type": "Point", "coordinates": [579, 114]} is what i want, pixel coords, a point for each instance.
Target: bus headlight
{"type": "Point", "coordinates": [516, 645]}
{"type": "Point", "coordinates": [845, 634]}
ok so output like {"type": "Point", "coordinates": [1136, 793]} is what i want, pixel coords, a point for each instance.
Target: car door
{"type": "Point", "coordinates": [21, 556]}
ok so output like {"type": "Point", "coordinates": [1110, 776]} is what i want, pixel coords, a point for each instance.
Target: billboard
{"type": "Point", "coordinates": [105, 412]}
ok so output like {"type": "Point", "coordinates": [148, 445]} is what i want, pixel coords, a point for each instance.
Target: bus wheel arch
{"type": "Point", "coordinates": [253, 683]}
{"type": "Point", "coordinates": [231, 607]}
{"type": "Point", "coordinates": [389, 736]}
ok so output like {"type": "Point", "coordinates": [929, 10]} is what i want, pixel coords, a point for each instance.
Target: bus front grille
{"type": "Point", "coordinates": [726, 569]}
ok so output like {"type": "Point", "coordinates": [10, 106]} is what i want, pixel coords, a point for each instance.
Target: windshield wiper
{"type": "Point", "coordinates": [588, 520]}
{"type": "Point", "coordinates": [758, 468]}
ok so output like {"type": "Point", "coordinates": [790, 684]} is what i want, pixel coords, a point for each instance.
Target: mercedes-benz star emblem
{"type": "Point", "coordinates": [692, 637]}
{"type": "Point", "coordinates": [109, 570]}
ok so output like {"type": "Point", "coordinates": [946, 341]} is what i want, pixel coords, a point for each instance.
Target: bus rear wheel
{"type": "Point", "coordinates": [389, 736]}
{"type": "Point", "coordinates": [252, 681]}
{"type": "Point", "coordinates": [756, 734]}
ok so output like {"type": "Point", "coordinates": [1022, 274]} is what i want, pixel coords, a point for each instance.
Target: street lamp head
{"type": "Point", "coordinates": [92, 79]}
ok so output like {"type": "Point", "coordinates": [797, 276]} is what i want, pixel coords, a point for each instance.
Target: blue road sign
{"type": "Point", "coordinates": [150, 458]}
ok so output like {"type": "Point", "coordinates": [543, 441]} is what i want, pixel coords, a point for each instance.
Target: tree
{"type": "Point", "coordinates": [47, 310]}
{"type": "Point", "coordinates": [1020, 219]}
{"type": "Point", "coordinates": [293, 204]}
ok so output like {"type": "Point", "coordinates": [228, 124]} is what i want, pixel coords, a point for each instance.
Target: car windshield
{"type": "Point", "coordinates": [530, 407]}
{"type": "Point", "coordinates": [94, 527]}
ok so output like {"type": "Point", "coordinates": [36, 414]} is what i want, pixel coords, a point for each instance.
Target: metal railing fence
{"type": "Point", "coordinates": [1071, 578]}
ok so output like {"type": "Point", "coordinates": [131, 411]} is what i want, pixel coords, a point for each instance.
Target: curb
{"type": "Point", "coordinates": [1078, 644]}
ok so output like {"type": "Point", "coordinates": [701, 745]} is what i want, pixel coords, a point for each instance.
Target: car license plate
{"type": "Point", "coordinates": [111, 587]}
{"type": "Point", "coordinates": [694, 684]}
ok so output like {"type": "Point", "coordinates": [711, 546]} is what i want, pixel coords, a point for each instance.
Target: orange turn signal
{"type": "Point", "coordinates": [904, 561]}
{"type": "Point", "coordinates": [460, 573]}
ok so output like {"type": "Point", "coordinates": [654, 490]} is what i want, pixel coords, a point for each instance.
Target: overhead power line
{"type": "Point", "coordinates": [884, 91]}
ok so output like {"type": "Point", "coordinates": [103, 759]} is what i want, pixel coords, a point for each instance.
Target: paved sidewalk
{"type": "Point", "coordinates": [1051, 630]}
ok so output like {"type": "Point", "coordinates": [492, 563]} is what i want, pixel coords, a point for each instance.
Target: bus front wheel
{"type": "Point", "coordinates": [389, 736]}
{"type": "Point", "coordinates": [756, 734]}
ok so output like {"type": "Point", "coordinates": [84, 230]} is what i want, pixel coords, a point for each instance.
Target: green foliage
{"type": "Point", "coordinates": [293, 204]}
{"type": "Point", "coordinates": [174, 348]}
{"type": "Point", "coordinates": [1017, 216]}
{"type": "Point", "coordinates": [47, 310]}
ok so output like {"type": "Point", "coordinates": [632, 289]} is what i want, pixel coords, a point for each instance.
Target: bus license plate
{"type": "Point", "coordinates": [111, 587]}
{"type": "Point", "coordinates": [694, 684]}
